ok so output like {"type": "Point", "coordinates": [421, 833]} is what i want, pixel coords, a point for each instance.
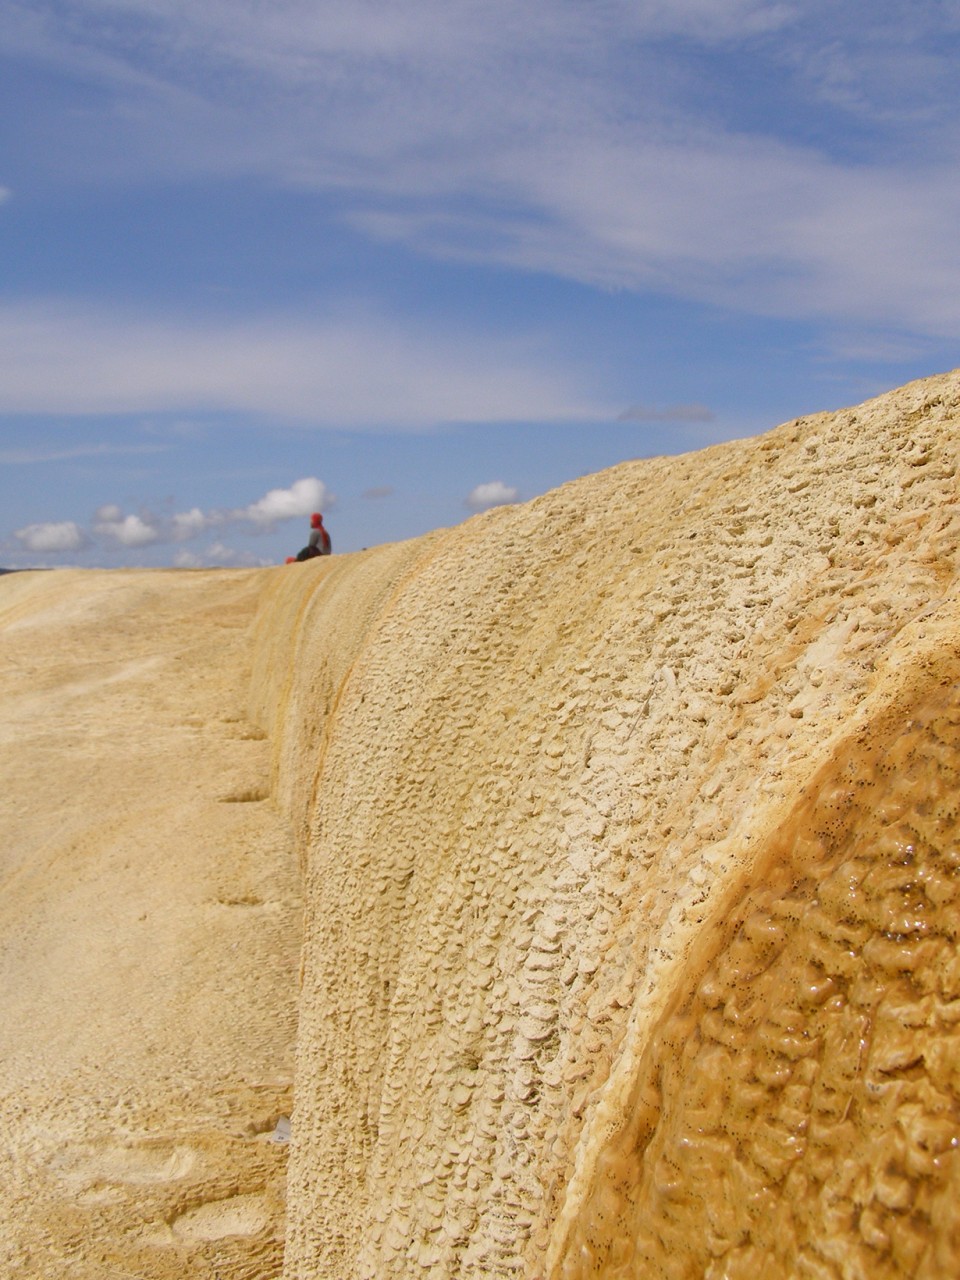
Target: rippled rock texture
{"type": "Point", "coordinates": [626, 825]}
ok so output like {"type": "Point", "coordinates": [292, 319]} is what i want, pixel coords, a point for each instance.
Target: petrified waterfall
{"type": "Point", "coordinates": [625, 823]}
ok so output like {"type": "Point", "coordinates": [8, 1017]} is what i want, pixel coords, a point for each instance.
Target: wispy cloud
{"type": "Point", "coordinates": [593, 142]}
{"type": "Point", "coordinates": [26, 457]}
{"type": "Point", "coordinates": [348, 371]}
{"type": "Point", "coordinates": [672, 413]}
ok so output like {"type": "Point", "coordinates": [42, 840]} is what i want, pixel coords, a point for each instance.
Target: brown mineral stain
{"type": "Point", "coordinates": [796, 1110]}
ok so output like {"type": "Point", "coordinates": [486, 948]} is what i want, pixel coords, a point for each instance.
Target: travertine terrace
{"type": "Point", "coordinates": [622, 827]}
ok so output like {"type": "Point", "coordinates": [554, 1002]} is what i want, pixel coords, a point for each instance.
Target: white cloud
{"type": "Point", "coordinates": [127, 531]}
{"type": "Point", "coordinates": [494, 494]}
{"type": "Point", "coordinates": [63, 535]}
{"type": "Point", "coordinates": [188, 524]}
{"type": "Point", "coordinates": [301, 499]}
{"type": "Point", "coordinates": [119, 529]}
{"type": "Point", "coordinates": [185, 559]}
{"type": "Point", "coordinates": [219, 553]}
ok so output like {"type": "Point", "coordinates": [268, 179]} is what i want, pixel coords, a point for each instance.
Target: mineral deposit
{"type": "Point", "coordinates": [621, 828]}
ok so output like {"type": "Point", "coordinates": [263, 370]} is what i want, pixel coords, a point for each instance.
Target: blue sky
{"type": "Point", "coordinates": [402, 261]}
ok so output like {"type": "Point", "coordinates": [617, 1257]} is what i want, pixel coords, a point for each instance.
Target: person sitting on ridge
{"type": "Point", "coordinates": [319, 542]}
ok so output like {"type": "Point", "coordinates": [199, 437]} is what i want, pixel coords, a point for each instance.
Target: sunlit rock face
{"type": "Point", "coordinates": [149, 933]}
{"type": "Point", "coordinates": [794, 1112]}
{"type": "Point", "coordinates": [626, 828]}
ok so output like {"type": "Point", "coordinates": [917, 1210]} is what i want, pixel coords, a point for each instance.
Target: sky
{"type": "Point", "coordinates": [401, 261]}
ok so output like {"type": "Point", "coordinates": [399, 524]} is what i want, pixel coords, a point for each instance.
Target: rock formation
{"type": "Point", "coordinates": [626, 827]}
{"type": "Point", "coordinates": [149, 934]}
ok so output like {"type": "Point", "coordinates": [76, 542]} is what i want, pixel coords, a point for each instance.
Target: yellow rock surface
{"type": "Point", "coordinates": [625, 823]}
{"type": "Point", "coordinates": [150, 920]}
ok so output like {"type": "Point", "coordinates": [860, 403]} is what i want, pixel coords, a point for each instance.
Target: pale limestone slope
{"type": "Point", "coordinates": [551, 772]}
{"type": "Point", "coordinates": [149, 934]}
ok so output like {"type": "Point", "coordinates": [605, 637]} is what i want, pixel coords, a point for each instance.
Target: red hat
{"type": "Point", "coordinates": [316, 520]}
